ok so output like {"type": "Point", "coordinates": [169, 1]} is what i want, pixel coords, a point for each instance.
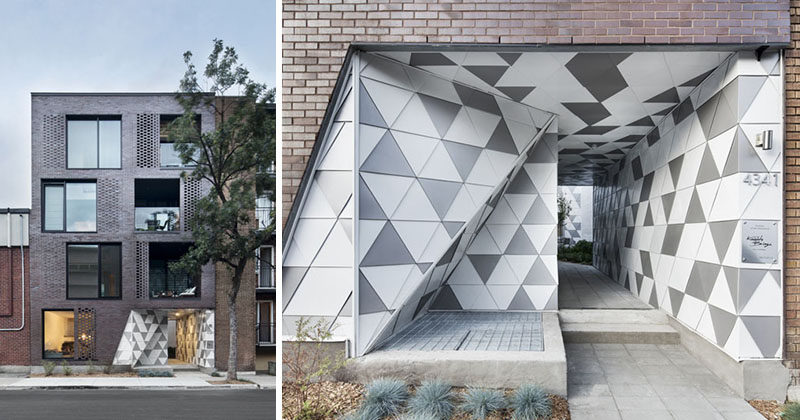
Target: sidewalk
{"type": "Point", "coordinates": [181, 380]}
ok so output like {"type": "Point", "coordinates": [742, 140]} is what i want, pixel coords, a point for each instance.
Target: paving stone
{"type": "Point", "coordinates": [580, 414]}
{"type": "Point", "coordinates": [639, 403]}
{"type": "Point", "coordinates": [688, 403]}
{"type": "Point", "coordinates": [645, 414]}
{"type": "Point", "coordinates": [730, 404]}
{"type": "Point", "coordinates": [589, 390]}
{"type": "Point", "coordinates": [625, 390]}
{"type": "Point", "coordinates": [592, 403]}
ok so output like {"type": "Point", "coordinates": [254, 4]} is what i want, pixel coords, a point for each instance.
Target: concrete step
{"type": "Point", "coordinates": [617, 333]}
{"type": "Point", "coordinates": [612, 316]}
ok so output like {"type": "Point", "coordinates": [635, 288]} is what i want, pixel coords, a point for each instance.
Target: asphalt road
{"type": "Point", "coordinates": [90, 404]}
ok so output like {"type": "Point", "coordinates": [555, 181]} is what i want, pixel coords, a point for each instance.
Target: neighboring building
{"type": "Point", "coordinates": [110, 210]}
{"type": "Point", "coordinates": [578, 226]}
{"type": "Point", "coordinates": [266, 313]}
{"type": "Point", "coordinates": [429, 182]}
{"type": "Point", "coordinates": [15, 322]}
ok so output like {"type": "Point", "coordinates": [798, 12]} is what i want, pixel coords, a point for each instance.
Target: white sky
{"type": "Point", "coordinates": [112, 46]}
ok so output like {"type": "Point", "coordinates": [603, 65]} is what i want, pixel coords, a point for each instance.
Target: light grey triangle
{"type": "Point", "coordinates": [368, 207]}
{"type": "Point", "coordinates": [695, 212]}
{"type": "Point", "coordinates": [446, 300]}
{"type": "Point", "coordinates": [722, 233]}
{"type": "Point", "coordinates": [368, 300]}
{"type": "Point", "coordinates": [367, 111]}
{"type": "Point", "coordinates": [334, 191]}
{"type": "Point", "coordinates": [387, 158]}
{"type": "Point", "coordinates": [708, 169]}
{"type": "Point", "coordinates": [749, 86]}
{"type": "Point", "coordinates": [521, 301]}
{"type": "Point", "coordinates": [423, 267]}
{"type": "Point", "coordinates": [732, 277]}
{"type": "Point", "coordinates": [705, 113]}
{"type": "Point", "coordinates": [441, 112]}
{"type": "Point", "coordinates": [441, 194]}
{"type": "Point", "coordinates": [766, 333]}
{"type": "Point", "coordinates": [539, 274]}
{"type": "Point", "coordinates": [520, 244]}
{"type": "Point", "coordinates": [748, 158]}
{"type": "Point", "coordinates": [732, 162]}
{"type": "Point", "coordinates": [550, 246]}
{"type": "Point", "coordinates": [538, 213]}
{"type": "Point", "coordinates": [723, 323]}
{"type": "Point", "coordinates": [501, 140]}
{"type": "Point", "coordinates": [463, 156]}
{"type": "Point", "coordinates": [484, 264]}
{"type": "Point", "coordinates": [726, 115]}
{"type": "Point", "coordinates": [291, 279]}
{"type": "Point", "coordinates": [388, 249]}
{"type": "Point", "coordinates": [452, 227]}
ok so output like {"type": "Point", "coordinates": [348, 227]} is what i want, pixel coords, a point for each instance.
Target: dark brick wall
{"type": "Point", "coordinates": [14, 345]}
{"type": "Point", "coordinates": [316, 36]}
{"type": "Point", "coordinates": [115, 215]}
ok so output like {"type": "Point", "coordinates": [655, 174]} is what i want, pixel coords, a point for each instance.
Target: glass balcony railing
{"type": "Point", "coordinates": [263, 216]}
{"type": "Point", "coordinates": [170, 158]}
{"type": "Point", "coordinates": [157, 219]}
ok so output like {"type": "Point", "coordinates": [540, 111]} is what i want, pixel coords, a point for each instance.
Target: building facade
{"type": "Point", "coordinates": [15, 320]}
{"type": "Point", "coordinates": [109, 213]}
{"type": "Point", "coordinates": [424, 145]}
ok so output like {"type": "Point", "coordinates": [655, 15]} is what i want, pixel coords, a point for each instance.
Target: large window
{"type": "Point", "coordinates": [170, 158]}
{"type": "Point", "coordinates": [69, 206]}
{"type": "Point", "coordinates": [157, 205]}
{"type": "Point", "coordinates": [94, 271]}
{"type": "Point", "coordinates": [265, 313]}
{"type": "Point", "coordinates": [266, 267]}
{"type": "Point", "coordinates": [166, 282]}
{"type": "Point", "coordinates": [58, 334]}
{"type": "Point", "coordinates": [94, 141]}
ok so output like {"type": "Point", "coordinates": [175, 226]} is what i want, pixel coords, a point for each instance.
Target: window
{"type": "Point", "coordinates": [170, 158]}
{"type": "Point", "coordinates": [264, 209]}
{"type": "Point", "coordinates": [157, 205]}
{"type": "Point", "coordinates": [265, 322]}
{"type": "Point", "coordinates": [94, 271]}
{"type": "Point", "coordinates": [58, 334]}
{"type": "Point", "coordinates": [94, 142]}
{"type": "Point", "coordinates": [266, 267]}
{"type": "Point", "coordinates": [69, 206]}
{"type": "Point", "coordinates": [166, 282]}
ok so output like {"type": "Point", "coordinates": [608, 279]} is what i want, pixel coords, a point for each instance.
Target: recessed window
{"type": "Point", "coordinates": [157, 205]}
{"type": "Point", "coordinates": [166, 282]}
{"type": "Point", "coordinates": [94, 142]}
{"type": "Point", "coordinates": [69, 206]}
{"type": "Point", "coordinates": [94, 271]}
{"type": "Point", "coordinates": [170, 158]}
{"type": "Point", "coordinates": [266, 267]}
{"type": "Point", "coordinates": [58, 334]}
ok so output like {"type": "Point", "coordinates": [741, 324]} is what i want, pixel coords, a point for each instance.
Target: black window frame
{"type": "Point", "coordinates": [163, 139]}
{"type": "Point", "coordinates": [197, 278]}
{"type": "Point", "coordinates": [64, 183]}
{"type": "Point", "coordinates": [98, 118]}
{"type": "Point", "coordinates": [99, 269]}
{"type": "Point", "coordinates": [74, 317]}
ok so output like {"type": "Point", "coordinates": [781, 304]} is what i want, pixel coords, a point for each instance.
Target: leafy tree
{"type": "Point", "coordinates": [232, 158]}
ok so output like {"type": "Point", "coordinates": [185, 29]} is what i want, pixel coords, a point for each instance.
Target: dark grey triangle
{"type": "Point", "coordinates": [732, 277]}
{"type": "Point", "coordinates": [695, 212]}
{"type": "Point", "coordinates": [501, 139]}
{"type": "Point", "coordinates": [706, 114]}
{"type": "Point", "coordinates": [422, 301]}
{"type": "Point", "coordinates": [484, 265]}
{"type": "Point", "coordinates": [510, 58]}
{"type": "Point", "coordinates": [645, 121]}
{"type": "Point", "coordinates": [521, 301]}
{"type": "Point", "coordinates": [702, 279]}
{"type": "Point", "coordinates": [732, 161]}
{"type": "Point", "coordinates": [367, 111]}
{"type": "Point", "coordinates": [347, 308]}
{"type": "Point", "coordinates": [452, 227]}
{"type": "Point", "coordinates": [521, 184]}
{"type": "Point", "coordinates": [727, 114]}
{"type": "Point", "coordinates": [672, 238]}
{"type": "Point", "coordinates": [477, 99]}
{"type": "Point", "coordinates": [446, 300]}
{"type": "Point", "coordinates": [489, 74]}
{"type": "Point", "coordinates": [666, 201]}
{"type": "Point", "coordinates": [675, 170]}
{"type": "Point", "coordinates": [681, 112]}
{"type": "Point", "coordinates": [368, 300]}
{"type": "Point", "coordinates": [653, 301]}
{"type": "Point", "coordinates": [423, 267]}
{"type": "Point", "coordinates": [708, 169]}
{"type": "Point", "coordinates": [463, 156]}
{"type": "Point", "coordinates": [627, 282]}
{"type": "Point", "coordinates": [722, 233]}
{"type": "Point", "coordinates": [748, 159]}
{"type": "Point", "coordinates": [749, 280]}
{"type": "Point", "coordinates": [723, 323]}
{"type": "Point", "coordinates": [766, 332]}
{"type": "Point", "coordinates": [368, 207]}
{"type": "Point", "coordinates": [430, 59]}
{"type": "Point", "coordinates": [516, 93]}
{"type": "Point", "coordinates": [387, 158]}
{"type": "Point", "coordinates": [639, 280]}
{"type": "Point", "coordinates": [648, 217]}
{"type": "Point", "coordinates": [667, 96]}
{"type": "Point", "coordinates": [538, 213]}
{"type": "Point", "coordinates": [520, 244]}
{"type": "Point", "coordinates": [539, 274]}
{"type": "Point", "coordinates": [388, 249]}
{"type": "Point", "coordinates": [440, 193]}
{"type": "Point", "coordinates": [647, 268]}
{"type": "Point", "coordinates": [695, 81]}
{"type": "Point", "coordinates": [442, 112]}
{"type": "Point", "coordinates": [664, 111]}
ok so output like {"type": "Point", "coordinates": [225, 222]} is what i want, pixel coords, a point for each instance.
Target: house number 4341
{"type": "Point", "coordinates": [754, 180]}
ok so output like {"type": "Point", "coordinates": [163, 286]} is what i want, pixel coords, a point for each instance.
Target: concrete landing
{"type": "Point", "coordinates": [584, 287]}
{"type": "Point", "coordinates": [496, 369]}
{"type": "Point", "coordinates": [642, 326]}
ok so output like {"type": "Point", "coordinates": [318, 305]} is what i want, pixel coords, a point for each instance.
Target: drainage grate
{"type": "Point", "coordinates": [472, 331]}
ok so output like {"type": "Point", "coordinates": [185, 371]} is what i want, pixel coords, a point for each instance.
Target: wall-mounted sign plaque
{"type": "Point", "coordinates": [760, 241]}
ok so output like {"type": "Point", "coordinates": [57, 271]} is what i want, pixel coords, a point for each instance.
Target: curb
{"type": "Point", "coordinates": [140, 388]}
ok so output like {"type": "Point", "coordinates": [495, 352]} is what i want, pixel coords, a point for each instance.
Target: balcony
{"type": "Point", "coordinates": [157, 219]}
{"type": "Point", "coordinates": [266, 268]}
{"type": "Point", "coordinates": [263, 216]}
{"type": "Point", "coordinates": [265, 331]}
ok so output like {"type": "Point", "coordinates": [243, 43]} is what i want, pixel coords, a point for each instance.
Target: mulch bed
{"type": "Point", "coordinates": [769, 409]}
{"type": "Point", "coordinates": [339, 398]}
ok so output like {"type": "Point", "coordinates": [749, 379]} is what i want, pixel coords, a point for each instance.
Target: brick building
{"type": "Point", "coordinates": [14, 289]}
{"type": "Point", "coordinates": [406, 126]}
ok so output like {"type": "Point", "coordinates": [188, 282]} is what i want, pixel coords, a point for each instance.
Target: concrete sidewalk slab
{"type": "Point", "coordinates": [184, 381]}
{"type": "Point", "coordinates": [263, 381]}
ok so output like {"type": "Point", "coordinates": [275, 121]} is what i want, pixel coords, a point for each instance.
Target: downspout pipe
{"type": "Point", "coordinates": [22, 268]}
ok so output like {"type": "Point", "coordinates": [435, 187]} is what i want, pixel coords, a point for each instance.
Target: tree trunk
{"type": "Point", "coordinates": [233, 336]}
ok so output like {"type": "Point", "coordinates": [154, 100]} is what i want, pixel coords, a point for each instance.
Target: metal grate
{"type": "Point", "coordinates": [85, 335]}
{"type": "Point", "coordinates": [472, 331]}
{"type": "Point", "coordinates": [193, 191]}
{"type": "Point", "coordinates": [54, 138]}
{"type": "Point", "coordinates": [109, 193]}
{"type": "Point", "coordinates": [142, 262]}
{"type": "Point", "coordinates": [147, 142]}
